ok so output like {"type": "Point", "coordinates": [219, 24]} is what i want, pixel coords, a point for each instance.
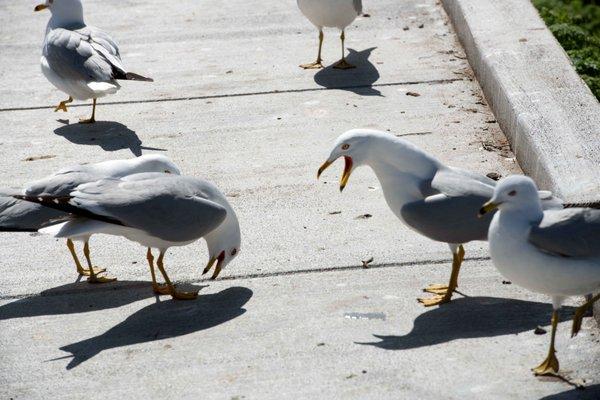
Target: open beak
{"type": "Point", "coordinates": [487, 207]}
{"type": "Point", "coordinates": [40, 7]}
{"type": "Point", "coordinates": [345, 175]}
{"type": "Point", "coordinates": [219, 266]}
{"type": "Point", "coordinates": [347, 172]}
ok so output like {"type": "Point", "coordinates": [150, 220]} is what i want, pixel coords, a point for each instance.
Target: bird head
{"type": "Point", "coordinates": [516, 192]}
{"type": "Point", "coordinates": [223, 242]}
{"type": "Point", "coordinates": [155, 163]}
{"type": "Point", "coordinates": [64, 11]}
{"type": "Point", "coordinates": [355, 147]}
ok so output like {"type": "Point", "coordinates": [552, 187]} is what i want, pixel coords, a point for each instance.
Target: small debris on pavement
{"type": "Point", "coordinates": [413, 94]}
{"type": "Point", "coordinates": [421, 26]}
{"type": "Point", "coordinates": [335, 212]}
{"type": "Point", "coordinates": [366, 15]}
{"type": "Point", "coordinates": [506, 282]}
{"type": "Point", "coordinates": [405, 28]}
{"type": "Point", "coordinates": [495, 176]}
{"type": "Point", "coordinates": [365, 263]}
{"type": "Point", "coordinates": [320, 344]}
{"type": "Point", "coordinates": [351, 376]}
{"type": "Point", "coordinates": [35, 158]}
{"type": "Point", "coordinates": [364, 216]}
{"type": "Point", "coordinates": [539, 331]}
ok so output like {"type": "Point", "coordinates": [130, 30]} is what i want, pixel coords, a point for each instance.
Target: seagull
{"type": "Point", "coordinates": [330, 13]}
{"type": "Point", "coordinates": [80, 60]}
{"type": "Point", "coordinates": [156, 210]}
{"type": "Point", "coordinates": [554, 252]}
{"type": "Point", "coordinates": [435, 200]}
{"type": "Point", "coordinates": [21, 216]}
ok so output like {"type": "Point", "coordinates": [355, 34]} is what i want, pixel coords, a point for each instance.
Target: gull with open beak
{"type": "Point", "coordinates": [78, 59]}
{"type": "Point", "coordinates": [435, 200]}
{"type": "Point", "coordinates": [156, 210]}
{"type": "Point", "coordinates": [554, 252]}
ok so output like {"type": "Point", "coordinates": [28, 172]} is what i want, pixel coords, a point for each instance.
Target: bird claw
{"type": "Point", "coordinates": [87, 121]}
{"type": "Point", "coordinates": [436, 289]}
{"type": "Point", "coordinates": [313, 65]}
{"type": "Point", "coordinates": [343, 64]}
{"type": "Point", "coordinates": [161, 289]}
{"type": "Point", "coordinates": [184, 295]}
{"type": "Point", "coordinates": [549, 366]}
{"type": "Point", "coordinates": [435, 300]}
{"type": "Point", "coordinates": [92, 271]}
{"type": "Point", "coordinates": [100, 279]}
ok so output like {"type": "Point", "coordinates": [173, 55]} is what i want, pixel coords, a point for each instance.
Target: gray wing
{"type": "Point", "coordinates": [83, 54]}
{"type": "Point", "coordinates": [572, 232]}
{"type": "Point", "coordinates": [358, 6]}
{"type": "Point", "coordinates": [19, 215]}
{"type": "Point", "coordinates": [455, 182]}
{"type": "Point", "coordinates": [172, 208]}
{"type": "Point", "coordinates": [62, 183]}
{"type": "Point", "coordinates": [448, 219]}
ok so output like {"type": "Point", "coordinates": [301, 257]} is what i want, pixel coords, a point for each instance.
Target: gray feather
{"type": "Point", "coordinates": [573, 232]}
{"type": "Point", "coordinates": [358, 6]}
{"type": "Point", "coordinates": [19, 215]}
{"type": "Point", "coordinates": [170, 207]}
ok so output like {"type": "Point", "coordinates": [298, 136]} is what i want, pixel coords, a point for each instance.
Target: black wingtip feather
{"type": "Point", "coordinates": [130, 76]}
{"type": "Point", "coordinates": [64, 204]}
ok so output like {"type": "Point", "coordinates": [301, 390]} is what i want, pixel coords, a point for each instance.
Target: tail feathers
{"type": "Point", "coordinates": [131, 76]}
{"type": "Point", "coordinates": [594, 205]}
{"type": "Point", "coordinates": [64, 204]}
{"type": "Point", "coordinates": [77, 228]}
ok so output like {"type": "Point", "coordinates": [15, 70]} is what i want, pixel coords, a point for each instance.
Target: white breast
{"type": "Point", "coordinates": [330, 13]}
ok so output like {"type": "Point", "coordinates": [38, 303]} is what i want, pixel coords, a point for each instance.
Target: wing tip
{"type": "Point", "coordinates": [132, 76]}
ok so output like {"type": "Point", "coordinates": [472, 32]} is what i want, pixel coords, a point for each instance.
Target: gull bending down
{"type": "Point", "coordinates": [554, 252]}
{"type": "Point", "coordinates": [435, 200]}
{"type": "Point", "coordinates": [22, 216]}
{"type": "Point", "coordinates": [80, 60]}
{"type": "Point", "coordinates": [156, 210]}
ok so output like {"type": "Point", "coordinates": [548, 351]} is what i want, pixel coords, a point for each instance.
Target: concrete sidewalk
{"type": "Point", "coordinates": [288, 319]}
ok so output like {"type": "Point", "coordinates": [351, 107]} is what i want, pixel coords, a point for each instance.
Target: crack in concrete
{"type": "Point", "coordinates": [244, 94]}
{"type": "Point", "coordinates": [110, 288]}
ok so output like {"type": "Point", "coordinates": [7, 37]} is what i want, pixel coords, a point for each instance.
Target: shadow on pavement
{"type": "Point", "coordinates": [358, 80]}
{"type": "Point", "coordinates": [109, 135]}
{"type": "Point", "coordinates": [591, 392]}
{"type": "Point", "coordinates": [78, 297]}
{"type": "Point", "coordinates": [472, 317]}
{"type": "Point", "coordinates": [163, 320]}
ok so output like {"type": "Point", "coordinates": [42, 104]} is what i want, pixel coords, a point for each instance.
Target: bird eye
{"type": "Point", "coordinates": [233, 252]}
{"type": "Point", "coordinates": [512, 193]}
{"type": "Point", "coordinates": [345, 146]}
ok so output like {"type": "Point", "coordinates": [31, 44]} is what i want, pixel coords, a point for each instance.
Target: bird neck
{"type": "Point", "coordinates": [516, 222]}
{"type": "Point", "coordinates": [67, 17]}
{"type": "Point", "coordinates": [401, 168]}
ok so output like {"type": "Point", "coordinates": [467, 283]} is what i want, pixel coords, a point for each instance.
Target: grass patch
{"type": "Point", "coordinates": [576, 25]}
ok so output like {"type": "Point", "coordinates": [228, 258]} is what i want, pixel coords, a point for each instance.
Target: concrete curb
{"type": "Point", "coordinates": [547, 112]}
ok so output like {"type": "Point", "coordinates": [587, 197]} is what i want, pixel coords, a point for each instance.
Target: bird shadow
{"type": "Point", "coordinates": [358, 80]}
{"type": "Point", "coordinates": [78, 297]}
{"type": "Point", "coordinates": [163, 320]}
{"type": "Point", "coordinates": [109, 135]}
{"type": "Point", "coordinates": [472, 317]}
{"type": "Point", "coordinates": [591, 392]}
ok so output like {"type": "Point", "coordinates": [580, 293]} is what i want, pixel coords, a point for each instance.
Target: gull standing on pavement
{"type": "Point", "coordinates": [435, 200]}
{"type": "Point", "coordinates": [330, 13]}
{"type": "Point", "coordinates": [80, 60]}
{"type": "Point", "coordinates": [23, 216]}
{"type": "Point", "coordinates": [156, 210]}
{"type": "Point", "coordinates": [555, 252]}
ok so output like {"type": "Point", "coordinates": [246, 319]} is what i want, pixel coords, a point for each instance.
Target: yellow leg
{"type": "Point", "coordinates": [317, 64]}
{"type": "Point", "coordinates": [63, 105]}
{"type": "Point", "coordinates": [343, 64]}
{"type": "Point", "coordinates": [92, 119]}
{"type": "Point", "coordinates": [80, 270]}
{"type": "Point", "coordinates": [443, 294]}
{"type": "Point", "coordinates": [580, 313]}
{"type": "Point", "coordinates": [550, 365]}
{"type": "Point", "coordinates": [94, 278]}
{"type": "Point", "coordinates": [158, 289]}
{"type": "Point", "coordinates": [174, 293]}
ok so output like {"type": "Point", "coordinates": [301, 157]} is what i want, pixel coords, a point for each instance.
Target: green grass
{"type": "Point", "coordinates": [576, 25]}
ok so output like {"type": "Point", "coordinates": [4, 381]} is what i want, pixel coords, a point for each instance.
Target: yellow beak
{"type": "Point", "coordinates": [345, 175]}
{"type": "Point", "coordinates": [40, 7]}
{"type": "Point", "coordinates": [219, 266]}
{"type": "Point", "coordinates": [487, 207]}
